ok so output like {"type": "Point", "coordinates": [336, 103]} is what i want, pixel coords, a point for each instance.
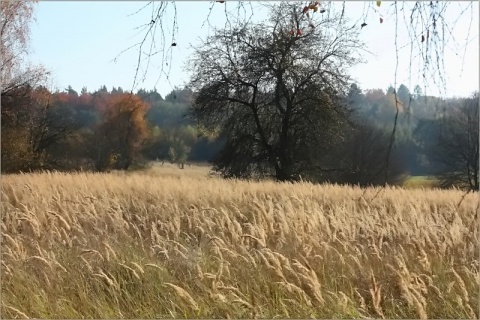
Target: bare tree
{"type": "Point", "coordinates": [273, 89]}
{"type": "Point", "coordinates": [15, 75]}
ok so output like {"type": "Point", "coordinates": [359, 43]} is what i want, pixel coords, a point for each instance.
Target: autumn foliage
{"type": "Point", "coordinates": [122, 132]}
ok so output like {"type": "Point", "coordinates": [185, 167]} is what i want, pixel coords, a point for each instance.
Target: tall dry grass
{"type": "Point", "coordinates": [176, 243]}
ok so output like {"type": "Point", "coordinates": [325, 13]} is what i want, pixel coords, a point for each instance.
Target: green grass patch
{"type": "Point", "coordinates": [418, 182]}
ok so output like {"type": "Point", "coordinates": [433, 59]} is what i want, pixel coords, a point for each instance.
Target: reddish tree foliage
{"type": "Point", "coordinates": [122, 132]}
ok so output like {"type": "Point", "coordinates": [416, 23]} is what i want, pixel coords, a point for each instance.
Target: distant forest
{"type": "Point", "coordinates": [112, 129]}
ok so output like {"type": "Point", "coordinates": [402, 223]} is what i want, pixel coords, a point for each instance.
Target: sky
{"type": "Point", "coordinates": [78, 42]}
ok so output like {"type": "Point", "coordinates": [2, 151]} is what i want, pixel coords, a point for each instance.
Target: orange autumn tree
{"type": "Point", "coordinates": [121, 134]}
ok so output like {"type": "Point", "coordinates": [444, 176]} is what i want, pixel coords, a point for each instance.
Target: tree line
{"type": "Point", "coordinates": [265, 99]}
{"type": "Point", "coordinates": [100, 130]}
{"type": "Point", "coordinates": [112, 129]}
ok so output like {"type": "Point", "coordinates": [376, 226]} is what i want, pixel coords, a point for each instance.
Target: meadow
{"type": "Point", "coordinates": [171, 243]}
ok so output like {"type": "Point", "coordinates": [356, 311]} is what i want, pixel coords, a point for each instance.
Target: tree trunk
{"type": "Point", "coordinates": [283, 170]}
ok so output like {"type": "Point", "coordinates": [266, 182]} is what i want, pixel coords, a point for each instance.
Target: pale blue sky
{"type": "Point", "coordinates": [77, 41]}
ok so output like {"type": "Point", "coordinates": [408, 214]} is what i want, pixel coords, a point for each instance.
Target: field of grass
{"type": "Point", "coordinates": [168, 243]}
{"type": "Point", "coordinates": [416, 182]}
